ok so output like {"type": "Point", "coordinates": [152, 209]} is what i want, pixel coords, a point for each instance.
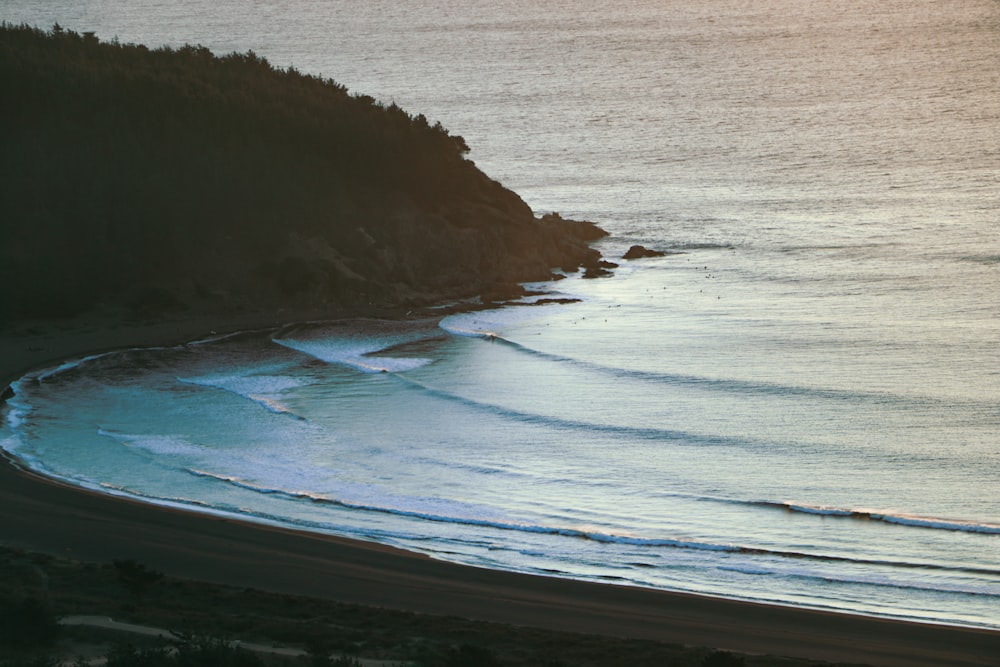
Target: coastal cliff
{"type": "Point", "coordinates": [143, 183]}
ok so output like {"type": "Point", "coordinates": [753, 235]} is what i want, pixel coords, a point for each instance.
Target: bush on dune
{"type": "Point", "coordinates": [27, 623]}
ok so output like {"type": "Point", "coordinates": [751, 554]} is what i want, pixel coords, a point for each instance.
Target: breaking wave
{"type": "Point", "coordinates": [259, 389]}
{"type": "Point", "coordinates": [890, 517]}
{"type": "Point", "coordinates": [639, 432]}
{"type": "Point", "coordinates": [578, 533]}
{"type": "Point", "coordinates": [727, 385]}
{"type": "Point", "coordinates": [360, 355]}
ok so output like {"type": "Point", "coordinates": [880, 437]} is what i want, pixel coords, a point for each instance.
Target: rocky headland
{"type": "Point", "coordinates": [150, 184]}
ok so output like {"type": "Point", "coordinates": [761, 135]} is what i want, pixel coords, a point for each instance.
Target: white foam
{"type": "Point", "coordinates": [486, 323]}
{"type": "Point", "coordinates": [940, 524]}
{"type": "Point", "coordinates": [45, 374]}
{"type": "Point", "coordinates": [261, 389]}
{"type": "Point", "coordinates": [273, 405]}
{"type": "Point", "coordinates": [246, 385]}
{"type": "Point", "coordinates": [41, 376]}
{"type": "Point", "coordinates": [357, 354]}
{"type": "Point", "coordinates": [896, 518]}
{"type": "Point", "coordinates": [375, 364]}
{"type": "Point", "coordinates": [158, 445]}
{"type": "Point", "coordinates": [16, 413]}
{"type": "Point", "coordinates": [823, 511]}
{"type": "Point", "coordinates": [11, 444]}
{"type": "Point", "coordinates": [440, 510]}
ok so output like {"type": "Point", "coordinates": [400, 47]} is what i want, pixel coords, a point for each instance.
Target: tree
{"type": "Point", "coordinates": [191, 652]}
{"type": "Point", "coordinates": [468, 655]}
{"type": "Point", "coordinates": [136, 577]}
{"type": "Point", "coordinates": [723, 659]}
{"type": "Point", "coordinates": [26, 623]}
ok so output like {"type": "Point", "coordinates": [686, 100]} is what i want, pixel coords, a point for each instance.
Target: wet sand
{"type": "Point", "coordinates": [42, 515]}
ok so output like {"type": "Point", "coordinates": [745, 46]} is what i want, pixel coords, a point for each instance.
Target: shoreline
{"type": "Point", "coordinates": [21, 466]}
{"type": "Point", "coordinates": [43, 514]}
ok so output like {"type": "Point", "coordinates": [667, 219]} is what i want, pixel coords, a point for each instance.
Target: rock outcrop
{"type": "Point", "coordinates": [638, 252]}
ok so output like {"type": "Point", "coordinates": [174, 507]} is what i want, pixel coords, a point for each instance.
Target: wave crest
{"type": "Point", "coordinates": [579, 533]}
{"type": "Point", "coordinates": [911, 520]}
{"type": "Point", "coordinates": [359, 356]}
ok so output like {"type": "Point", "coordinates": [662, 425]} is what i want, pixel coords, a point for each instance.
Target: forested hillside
{"type": "Point", "coordinates": [155, 180]}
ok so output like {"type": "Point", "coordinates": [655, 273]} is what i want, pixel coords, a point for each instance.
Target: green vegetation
{"type": "Point", "coordinates": [155, 180]}
{"type": "Point", "coordinates": [135, 577]}
{"type": "Point", "coordinates": [192, 653]}
{"type": "Point", "coordinates": [331, 633]}
{"type": "Point", "coordinates": [26, 622]}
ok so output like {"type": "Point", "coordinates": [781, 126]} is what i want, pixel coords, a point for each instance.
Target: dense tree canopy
{"type": "Point", "coordinates": [166, 178]}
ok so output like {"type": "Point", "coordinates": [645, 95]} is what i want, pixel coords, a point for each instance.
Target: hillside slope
{"type": "Point", "coordinates": [155, 180]}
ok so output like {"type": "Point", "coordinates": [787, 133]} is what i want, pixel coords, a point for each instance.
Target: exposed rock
{"type": "Point", "coordinates": [503, 292]}
{"type": "Point", "coordinates": [638, 251]}
{"type": "Point", "coordinates": [598, 268]}
{"type": "Point", "coordinates": [552, 300]}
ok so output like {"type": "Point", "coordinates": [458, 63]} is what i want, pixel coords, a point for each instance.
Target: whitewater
{"type": "Point", "coordinates": [800, 404]}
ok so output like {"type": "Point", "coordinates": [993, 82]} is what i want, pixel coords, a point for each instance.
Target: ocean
{"type": "Point", "coordinates": [799, 405]}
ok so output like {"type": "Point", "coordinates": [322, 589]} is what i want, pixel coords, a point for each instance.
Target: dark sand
{"type": "Point", "coordinates": [42, 515]}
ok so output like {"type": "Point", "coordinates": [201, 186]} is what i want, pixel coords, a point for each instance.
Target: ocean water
{"type": "Point", "coordinates": [801, 407]}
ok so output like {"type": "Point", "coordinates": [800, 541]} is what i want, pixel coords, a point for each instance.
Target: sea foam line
{"type": "Point", "coordinates": [588, 535]}
{"type": "Point", "coordinates": [911, 520]}
{"type": "Point", "coordinates": [272, 405]}
{"type": "Point", "coordinates": [358, 356]}
{"type": "Point", "coordinates": [41, 376]}
{"type": "Point", "coordinates": [713, 384]}
{"type": "Point", "coordinates": [70, 364]}
{"type": "Point", "coordinates": [875, 581]}
{"type": "Point", "coordinates": [645, 433]}
{"type": "Point", "coordinates": [469, 521]}
{"type": "Point", "coordinates": [890, 517]}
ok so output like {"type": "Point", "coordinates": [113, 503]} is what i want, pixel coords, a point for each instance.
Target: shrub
{"type": "Point", "coordinates": [471, 656]}
{"type": "Point", "coordinates": [723, 659]}
{"type": "Point", "coordinates": [193, 652]}
{"type": "Point", "coordinates": [136, 578]}
{"type": "Point", "coordinates": [27, 623]}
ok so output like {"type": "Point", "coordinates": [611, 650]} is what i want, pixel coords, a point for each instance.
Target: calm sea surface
{"type": "Point", "coordinates": [803, 407]}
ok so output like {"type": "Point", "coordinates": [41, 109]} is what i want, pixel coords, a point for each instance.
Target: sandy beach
{"type": "Point", "coordinates": [43, 515]}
